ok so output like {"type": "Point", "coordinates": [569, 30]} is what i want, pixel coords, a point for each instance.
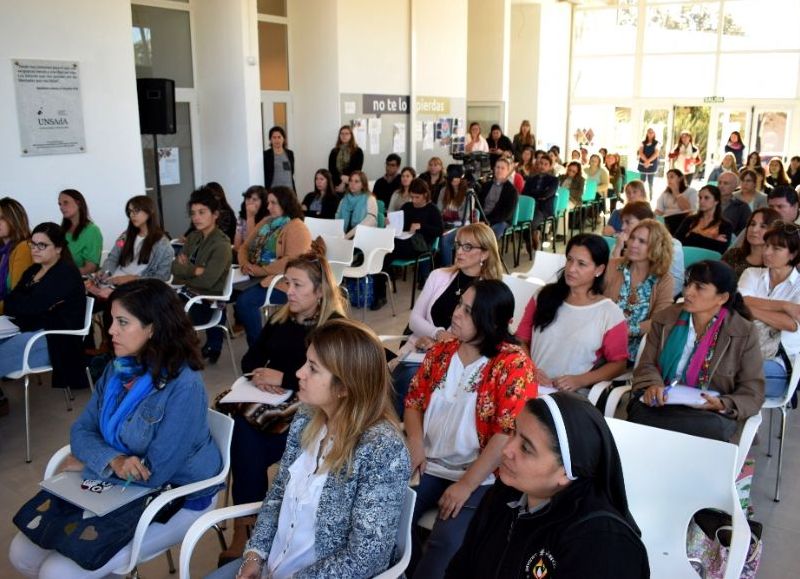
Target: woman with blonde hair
{"type": "Point", "coordinates": [477, 257]}
{"type": "Point", "coordinates": [15, 253]}
{"type": "Point", "coordinates": [728, 163]}
{"type": "Point", "coordinates": [273, 360]}
{"type": "Point", "coordinates": [335, 505]}
{"type": "Point", "coordinates": [640, 282]}
{"type": "Point", "coordinates": [524, 138]}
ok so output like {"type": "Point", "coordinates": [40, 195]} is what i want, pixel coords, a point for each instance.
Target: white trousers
{"type": "Point", "coordinates": [33, 561]}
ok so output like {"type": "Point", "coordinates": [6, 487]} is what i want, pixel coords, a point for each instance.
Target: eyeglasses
{"type": "Point", "coordinates": [133, 211]}
{"type": "Point", "coordinates": [787, 228]}
{"type": "Point", "coordinates": [38, 245]}
{"type": "Point", "coordinates": [466, 246]}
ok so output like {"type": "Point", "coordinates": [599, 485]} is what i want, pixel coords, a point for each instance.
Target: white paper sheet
{"type": "Point", "coordinates": [396, 220]}
{"type": "Point", "coordinates": [239, 276]}
{"type": "Point", "coordinates": [243, 390]}
{"type": "Point", "coordinates": [7, 327]}
{"type": "Point", "coordinates": [427, 136]}
{"type": "Point", "coordinates": [399, 138]}
{"type": "Point", "coordinates": [686, 395]}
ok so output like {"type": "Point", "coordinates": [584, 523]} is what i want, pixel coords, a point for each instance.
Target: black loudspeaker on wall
{"type": "Point", "coordinates": [156, 106]}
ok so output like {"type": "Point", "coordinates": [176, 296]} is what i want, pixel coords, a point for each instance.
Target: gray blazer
{"type": "Point", "coordinates": [159, 266]}
{"type": "Point", "coordinates": [359, 511]}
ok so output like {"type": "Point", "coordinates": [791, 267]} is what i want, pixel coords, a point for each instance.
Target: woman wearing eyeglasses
{"type": "Point", "coordinates": [772, 293]}
{"type": "Point", "coordinates": [49, 296]}
{"type": "Point", "coordinates": [476, 258]}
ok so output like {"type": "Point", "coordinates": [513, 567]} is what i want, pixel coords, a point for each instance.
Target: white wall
{"type": "Point", "coordinates": [97, 34]}
{"type": "Point", "coordinates": [553, 58]}
{"type": "Point", "coordinates": [374, 46]}
{"type": "Point", "coordinates": [314, 81]}
{"type": "Point", "coordinates": [228, 93]}
{"type": "Point", "coordinates": [524, 81]}
{"type": "Point", "coordinates": [440, 34]}
{"type": "Point", "coordinates": [488, 50]}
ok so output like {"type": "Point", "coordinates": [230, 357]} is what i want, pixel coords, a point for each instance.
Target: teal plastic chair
{"type": "Point", "coordinates": [632, 175]}
{"type": "Point", "coordinates": [559, 212]}
{"type": "Point", "coordinates": [692, 255]}
{"type": "Point", "coordinates": [509, 232]}
{"type": "Point", "coordinates": [381, 217]}
{"type": "Point", "coordinates": [405, 263]}
{"type": "Point", "coordinates": [611, 241]}
{"type": "Point", "coordinates": [526, 207]}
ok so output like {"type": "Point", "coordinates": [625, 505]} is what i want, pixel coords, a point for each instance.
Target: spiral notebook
{"type": "Point", "coordinates": [98, 497]}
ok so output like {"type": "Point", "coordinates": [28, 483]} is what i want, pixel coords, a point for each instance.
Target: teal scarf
{"type": "Point", "coordinates": [696, 371]}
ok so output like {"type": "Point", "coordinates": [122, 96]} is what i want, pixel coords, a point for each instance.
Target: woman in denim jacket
{"type": "Point", "coordinates": [334, 508]}
{"type": "Point", "coordinates": [146, 422]}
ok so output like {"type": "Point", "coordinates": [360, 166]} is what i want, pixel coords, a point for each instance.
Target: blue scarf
{"type": "Point", "coordinates": [115, 410]}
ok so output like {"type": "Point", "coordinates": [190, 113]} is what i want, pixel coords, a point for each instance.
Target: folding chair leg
{"type": "Point", "coordinates": [769, 438]}
{"type": "Point", "coordinates": [89, 377]}
{"type": "Point", "coordinates": [170, 562]}
{"type": "Point", "coordinates": [27, 421]}
{"type": "Point", "coordinates": [414, 283]}
{"type": "Point", "coordinates": [223, 545]}
{"type": "Point", "coordinates": [780, 455]}
{"type": "Point", "coordinates": [391, 294]}
{"type": "Point", "coordinates": [233, 356]}
{"type": "Point", "coordinates": [68, 398]}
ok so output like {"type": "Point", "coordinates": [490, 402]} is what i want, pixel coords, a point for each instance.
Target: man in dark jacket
{"type": "Point", "coordinates": [542, 186]}
{"type": "Point", "coordinates": [734, 210]}
{"type": "Point", "coordinates": [498, 198]}
{"type": "Point", "coordinates": [390, 182]}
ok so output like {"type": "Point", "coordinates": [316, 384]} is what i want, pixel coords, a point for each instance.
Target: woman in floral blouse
{"type": "Point", "coordinates": [460, 411]}
{"type": "Point", "coordinates": [640, 282]}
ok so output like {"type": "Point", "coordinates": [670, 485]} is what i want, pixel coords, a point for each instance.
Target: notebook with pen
{"type": "Point", "coordinates": [686, 395]}
{"type": "Point", "coordinates": [97, 496]}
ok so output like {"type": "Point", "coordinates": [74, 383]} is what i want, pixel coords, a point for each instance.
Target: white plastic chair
{"type": "Point", "coordinates": [339, 253]}
{"type": "Point", "coordinates": [616, 393]}
{"type": "Point", "coordinates": [216, 316]}
{"type": "Point", "coordinates": [209, 520]}
{"type": "Point", "coordinates": [375, 243]}
{"type": "Point", "coordinates": [325, 228]}
{"type": "Point", "coordinates": [523, 289]}
{"type": "Point", "coordinates": [546, 267]}
{"type": "Point", "coordinates": [221, 427]}
{"type": "Point", "coordinates": [670, 476]}
{"type": "Point", "coordinates": [781, 402]}
{"type": "Point", "coordinates": [26, 370]}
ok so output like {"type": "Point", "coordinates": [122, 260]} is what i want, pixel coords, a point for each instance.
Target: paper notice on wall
{"type": "Point", "coordinates": [375, 126]}
{"type": "Point", "coordinates": [399, 138]}
{"type": "Point", "coordinates": [417, 131]}
{"type": "Point", "coordinates": [360, 131]}
{"type": "Point", "coordinates": [374, 143]}
{"type": "Point", "coordinates": [169, 166]}
{"type": "Point", "coordinates": [427, 136]}
{"type": "Point", "coordinates": [349, 107]}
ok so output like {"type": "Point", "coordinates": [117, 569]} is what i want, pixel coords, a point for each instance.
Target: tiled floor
{"type": "Point", "coordinates": [51, 423]}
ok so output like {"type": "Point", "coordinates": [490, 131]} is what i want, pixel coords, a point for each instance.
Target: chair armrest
{"type": "Point", "coordinates": [746, 439]}
{"type": "Point", "coordinates": [392, 338]}
{"type": "Point", "coordinates": [272, 284]}
{"type": "Point", "coordinates": [56, 460]}
{"type": "Point", "coordinates": [196, 299]}
{"type": "Point", "coordinates": [614, 396]}
{"type": "Point", "coordinates": [597, 390]}
{"type": "Point", "coordinates": [205, 522]}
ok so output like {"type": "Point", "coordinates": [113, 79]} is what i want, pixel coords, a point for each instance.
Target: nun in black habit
{"type": "Point", "coordinates": [558, 509]}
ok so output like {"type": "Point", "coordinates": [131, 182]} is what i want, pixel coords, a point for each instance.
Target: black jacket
{"type": "Point", "coordinates": [269, 166]}
{"type": "Point", "coordinates": [355, 164]}
{"type": "Point", "coordinates": [683, 235]}
{"type": "Point", "coordinates": [330, 203]}
{"type": "Point", "coordinates": [55, 302]}
{"type": "Point", "coordinates": [737, 213]}
{"type": "Point", "coordinates": [383, 189]}
{"type": "Point", "coordinates": [504, 209]}
{"type": "Point", "coordinates": [579, 535]}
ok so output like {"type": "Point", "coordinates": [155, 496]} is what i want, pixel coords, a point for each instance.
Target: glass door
{"type": "Point", "coordinates": [659, 119]}
{"type": "Point", "coordinates": [727, 120]}
{"type": "Point", "coordinates": [770, 133]}
{"type": "Point", "coordinates": [696, 120]}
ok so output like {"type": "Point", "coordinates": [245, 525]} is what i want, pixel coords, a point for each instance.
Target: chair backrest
{"type": "Point", "coordinates": [562, 200]}
{"type": "Point", "coordinates": [631, 175]}
{"type": "Point", "coordinates": [403, 540]}
{"type": "Point", "coordinates": [526, 207]}
{"type": "Point", "coordinates": [87, 316]}
{"type": "Point", "coordinates": [611, 241]}
{"type": "Point", "coordinates": [339, 250]}
{"type": "Point", "coordinates": [515, 216]}
{"type": "Point", "coordinates": [368, 239]}
{"type": "Point", "coordinates": [523, 290]}
{"type": "Point", "coordinates": [221, 426]}
{"type": "Point", "coordinates": [546, 266]}
{"type": "Point", "coordinates": [692, 255]}
{"type": "Point", "coordinates": [326, 228]}
{"type": "Point", "coordinates": [669, 476]}
{"type": "Point", "coordinates": [381, 217]}
{"type": "Point", "coordinates": [589, 190]}
{"type": "Point", "coordinates": [228, 291]}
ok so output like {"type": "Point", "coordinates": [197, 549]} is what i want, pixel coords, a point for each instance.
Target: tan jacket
{"type": "Point", "coordinates": [736, 368]}
{"type": "Point", "coordinates": [660, 297]}
{"type": "Point", "coordinates": [294, 240]}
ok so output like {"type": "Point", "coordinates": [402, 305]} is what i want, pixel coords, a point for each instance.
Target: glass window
{"type": "Point", "coordinates": [688, 27]}
{"type": "Point", "coordinates": [678, 75]}
{"type": "Point", "coordinates": [727, 122]}
{"type": "Point", "coordinates": [759, 75]}
{"type": "Point", "coordinates": [611, 76]}
{"type": "Point", "coordinates": [695, 120]}
{"type": "Point", "coordinates": [771, 133]}
{"type": "Point", "coordinates": [759, 25]}
{"type": "Point", "coordinates": [162, 44]}
{"type": "Point", "coordinates": [606, 31]}
{"type": "Point", "coordinates": [273, 52]}
{"type": "Point", "coordinates": [272, 7]}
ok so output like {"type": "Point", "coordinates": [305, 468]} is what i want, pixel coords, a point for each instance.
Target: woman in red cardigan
{"type": "Point", "coordinates": [460, 411]}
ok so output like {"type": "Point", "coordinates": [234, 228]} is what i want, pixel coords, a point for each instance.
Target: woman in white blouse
{"type": "Point", "coordinates": [334, 508]}
{"type": "Point", "coordinates": [476, 143]}
{"type": "Point", "coordinates": [772, 293]}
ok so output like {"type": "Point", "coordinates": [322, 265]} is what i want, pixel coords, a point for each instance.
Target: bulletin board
{"type": "Point", "coordinates": [440, 123]}
{"type": "Point", "coordinates": [380, 126]}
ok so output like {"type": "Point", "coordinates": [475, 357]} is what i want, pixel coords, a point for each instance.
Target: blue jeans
{"type": "Point", "coordinates": [11, 350]}
{"type": "Point", "coordinates": [775, 379]}
{"type": "Point", "coordinates": [447, 245]}
{"type": "Point", "coordinates": [401, 380]}
{"type": "Point", "coordinates": [248, 309]}
{"type": "Point", "coordinates": [447, 535]}
{"type": "Point", "coordinates": [499, 229]}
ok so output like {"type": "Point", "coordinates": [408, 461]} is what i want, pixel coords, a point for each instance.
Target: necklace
{"type": "Point", "coordinates": [459, 289]}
